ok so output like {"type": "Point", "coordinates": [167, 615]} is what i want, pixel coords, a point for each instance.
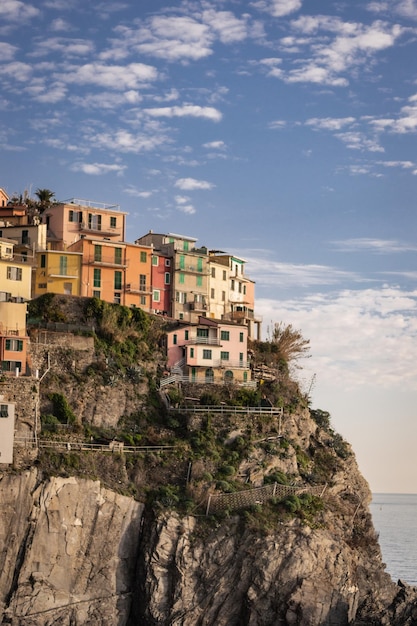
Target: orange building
{"type": "Point", "coordinates": [116, 271]}
{"type": "Point", "coordinates": [13, 337]}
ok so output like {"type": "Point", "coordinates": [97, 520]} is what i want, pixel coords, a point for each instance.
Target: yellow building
{"type": "Point", "coordinates": [57, 272]}
{"type": "Point", "coordinates": [15, 276]}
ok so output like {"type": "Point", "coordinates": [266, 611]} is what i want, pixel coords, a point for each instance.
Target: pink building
{"type": "Point", "coordinates": [161, 278]}
{"type": "Point", "coordinates": [209, 351]}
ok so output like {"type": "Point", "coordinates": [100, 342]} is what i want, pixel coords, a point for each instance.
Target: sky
{"type": "Point", "coordinates": [282, 131]}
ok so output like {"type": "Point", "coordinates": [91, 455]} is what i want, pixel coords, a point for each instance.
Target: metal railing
{"type": "Point", "coordinates": [85, 446]}
{"type": "Point", "coordinates": [225, 408]}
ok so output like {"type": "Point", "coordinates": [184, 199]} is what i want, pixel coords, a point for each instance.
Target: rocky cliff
{"type": "Point", "coordinates": [89, 535]}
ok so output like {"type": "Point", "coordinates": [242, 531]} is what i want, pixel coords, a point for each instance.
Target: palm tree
{"type": "Point", "coordinates": [45, 197]}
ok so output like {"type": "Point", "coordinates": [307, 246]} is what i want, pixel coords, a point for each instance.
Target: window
{"type": "Point", "coordinates": [143, 257]}
{"type": "Point", "coordinates": [199, 281]}
{"type": "Point", "coordinates": [199, 264]}
{"type": "Point", "coordinates": [213, 272]}
{"type": "Point", "coordinates": [212, 293]}
{"type": "Point", "coordinates": [14, 273]}
{"type": "Point", "coordinates": [41, 285]}
{"type": "Point", "coordinates": [186, 246]}
{"type": "Point", "coordinates": [11, 366]}
{"type": "Point", "coordinates": [154, 260]}
{"type": "Point", "coordinates": [4, 410]}
{"type": "Point", "coordinates": [71, 216]}
{"type": "Point", "coordinates": [202, 332]}
{"type": "Point", "coordinates": [97, 253]}
{"type": "Point", "coordinates": [143, 300]}
{"type": "Point", "coordinates": [113, 222]}
{"type": "Point", "coordinates": [142, 282]}
{"type": "Point", "coordinates": [232, 285]}
{"type": "Point", "coordinates": [15, 345]}
{"type": "Point", "coordinates": [244, 290]}
{"type": "Point", "coordinates": [167, 278]}
{"type": "Point", "coordinates": [224, 274]}
{"type": "Point", "coordinates": [206, 354]}
{"type": "Point", "coordinates": [191, 353]}
{"type": "Point", "coordinates": [167, 262]}
{"type": "Point", "coordinates": [156, 295]}
{"type": "Point", "coordinates": [181, 297]}
{"type": "Point", "coordinates": [224, 335]}
{"type": "Point", "coordinates": [68, 289]}
{"type": "Point", "coordinates": [224, 356]}
{"type": "Point", "coordinates": [117, 297]}
{"type": "Point", "coordinates": [25, 236]}
{"type": "Point", "coordinates": [97, 278]}
{"type": "Point", "coordinates": [223, 296]}
{"type": "Point", "coordinates": [241, 357]}
{"type": "Point", "coordinates": [94, 221]}
{"type": "Point", "coordinates": [117, 280]}
{"type": "Point", "coordinates": [43, 260]}
{"type": "Point", "coordinates": [118, 256]}
{"type": "Point", "coordinates": [96, 294]}
{"type": "Point", "coordinates": [182, 262]}
{"type": "Point", "coordinates": [181, 278]}
{"type": "Point", "coordinates": [240, 287]}
{"type": "Point", "coordinates": [186, 335]}
{"type": "Point", "coordinates": [174, 340]}
{"type": "Point", "coordinates": [63, 261]}
{"type": "Point", "coordinates": [240, 337]}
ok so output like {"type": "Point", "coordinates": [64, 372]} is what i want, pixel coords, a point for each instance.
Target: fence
{"type": "Point", "coordinates": [234, 410]}
{"type": "Point", "coordinates": [178, 378]}
{"type": "Point", "coordinates": [79, 446]}
{"type": "Point", "coordinates": [258, 495]}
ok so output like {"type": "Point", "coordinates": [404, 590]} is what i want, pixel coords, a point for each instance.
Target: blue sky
{"type": "Point", "coordinates": [281, 130]}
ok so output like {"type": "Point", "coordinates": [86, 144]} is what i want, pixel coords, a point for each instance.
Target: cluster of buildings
{"type": "Point", "coordinates": [79, 248]}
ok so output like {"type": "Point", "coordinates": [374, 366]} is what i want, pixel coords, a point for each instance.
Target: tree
{"type": "Point", "coordinates": [45, 197]}
{"type": "Point", "coordinates": [289, 342]}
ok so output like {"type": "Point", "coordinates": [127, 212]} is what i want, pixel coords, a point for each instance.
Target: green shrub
{"type": "Point", "coordinates": [61, 408]}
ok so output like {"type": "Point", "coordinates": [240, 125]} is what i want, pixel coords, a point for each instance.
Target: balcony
{"type": "Point", "coordinates": [108, 262]}
{"type": "Point", "coordinates": [136, 288]}
{"type": "Point", "coordinates": [197, 306]}
{"type": "Point", "coordinates": [207, 341]}
{"type": "Point", "coordinates": [98, 229]}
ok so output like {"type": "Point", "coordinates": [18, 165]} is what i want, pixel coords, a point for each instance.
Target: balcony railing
{"type": "Point", "coordinates": [136, 288]}
{"type": "Point", "coordinates": [209, 341]}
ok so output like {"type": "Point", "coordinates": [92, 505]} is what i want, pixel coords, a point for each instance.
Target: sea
{"type": "Point", "coordinates": [394, 517]}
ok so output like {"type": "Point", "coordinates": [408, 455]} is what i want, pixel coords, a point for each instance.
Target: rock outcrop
{"type": "Point", "coordinates": [68, 551]}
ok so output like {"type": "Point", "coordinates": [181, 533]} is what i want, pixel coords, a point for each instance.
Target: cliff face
{"type": "Point", "coordinates": [75, 551]}
{"type": "Point", "coordinates": [68, 551]}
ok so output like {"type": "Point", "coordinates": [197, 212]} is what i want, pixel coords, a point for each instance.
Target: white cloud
{"type": "Point", "coordinates": [125, 141]}
{"type": "Point", "coordinates": [98, 169]}
{"type": "Point", "coordinates": [228, 27]}
{"type": "Point", "coordinates": [187, 110]}
{"type": "Point", "coordinates": [377, 246]}
{"type": "Point", "coordinates": [358, 338]}
{"type": "Point", "coordinates": [171, 38]}
{"type": "Point", "coordinates": [278, 8]}
{"type": "Point", "coordinates": [331, 49]}
{"type": "Point", "coordinates": [117, 77]}
{"type": "Point", "coordinates": [190, 184]}
{"type": "Point", "coordinates": [405, 165]}
{"type": "Point", "coordinates": [329, 123]}
{"type": "Point", "coordinates": [406, 121]}
{"type": "Point", "coordinates": [215, 145]}
{"type": "Point", "coordinates": [17, 11]}
{"type": "Point", "coordinates": [270, 273]}
{"type": "Point", "coordinates": [60, 24]}
{"type": "Point", "coordinates": [356, 140]}
{"type": "Point", "coordinates": [7, 51]}
{"type": "Point", "coordinates": [65, 46]}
